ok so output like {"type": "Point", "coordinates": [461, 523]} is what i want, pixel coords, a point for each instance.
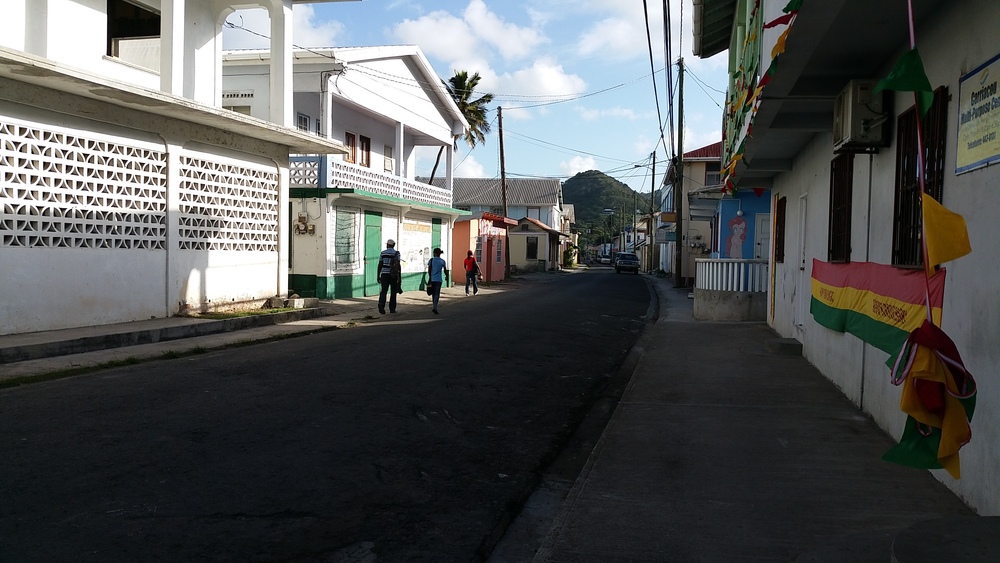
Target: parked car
{"type": "Point", "coordinates": [605, 259]}
{"type": "Point", "coordinates": [627, 261]}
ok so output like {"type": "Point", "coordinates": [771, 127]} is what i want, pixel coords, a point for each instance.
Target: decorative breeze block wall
{"type": "Point", "coordinates": [67, 189]}
{"type": "Point", "coordinates": [227, 205]}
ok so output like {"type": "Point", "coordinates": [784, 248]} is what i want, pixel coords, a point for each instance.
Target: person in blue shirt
{"type": "Point", "coordinates": [389, 275]}
{"type": "Point", "coordinates": [437, 273]}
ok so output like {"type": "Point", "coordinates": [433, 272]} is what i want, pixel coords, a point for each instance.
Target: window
{"type": "Point", "coordinates": [365, 155]}
{"type": "Point", "coordinates": [351, 142]}
{"type": "Point", "coordinates": [390, 164]}
{"type": "Point", "coordinates": [238, 101]}
{"type": "Point", "coordinates": [345, 239]}
{"type": "Point", "coordinates": [130, 24]}
{"type": "Point", "coordinates": [532, 252]}
{"type": "Point", "coordinates": [302, 121]}
{"type": "Point", "coordinates": [499, 250]}
{"type": "Point", "coordinates": [906, 231]}
{"type": "Point", "coordinates": [779, 230]}
{"type": "Point", "coordinates": [841, 186]}
{"type": "Point", "coordinates": [712, 173]}
{"type": "Point", "coordinates": [479, 249]}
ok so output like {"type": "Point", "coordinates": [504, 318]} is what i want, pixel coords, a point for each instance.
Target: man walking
{"type": "Point", "coordinates": [437, 273]}
{"type": "Point", "coordinates": [471, 273]}
{"type": "Point", "coordinates": [389, 275]}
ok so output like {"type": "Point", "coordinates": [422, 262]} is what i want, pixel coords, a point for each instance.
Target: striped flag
{"type": "Point", "coordinates": [877, 303]}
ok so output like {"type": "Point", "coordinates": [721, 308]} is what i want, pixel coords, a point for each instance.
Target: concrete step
{"type": "Point", "coordinates": [783, 346]}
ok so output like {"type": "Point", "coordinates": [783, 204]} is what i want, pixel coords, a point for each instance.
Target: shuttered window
{"type": "Point", "coordinates": [841, 186]}
{"type": "Point", "coordinates": [906, 232]}
{"type": "Point", "coordinates": [779, 229]}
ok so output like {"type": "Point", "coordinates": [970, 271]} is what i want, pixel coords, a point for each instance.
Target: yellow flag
{"type": "Point", "coordinates": [944, 232]}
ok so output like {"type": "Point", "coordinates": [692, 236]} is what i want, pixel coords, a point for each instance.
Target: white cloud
{"type": "Point", "coordinates": [592, 114]}
{"type": "Point", "coordinates": [700, 138]}
{"type": "Point", "coordinates": [465, 166]}
{"type": "Point", "coordinates": [470, 168]}
{"type": "Point", "coordinates": [439, 35]}
{"type": "Point", "coordinates": [512, 41]}
{"type": "Point", "coordinates": [306, 31]}
{"type": "Point", "coordinates": [577, 164]}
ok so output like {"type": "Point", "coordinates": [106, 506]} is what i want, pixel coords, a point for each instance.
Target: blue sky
{"type": "Point", "coordinates": [573, 76]}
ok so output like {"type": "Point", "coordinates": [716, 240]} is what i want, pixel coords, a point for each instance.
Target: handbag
{"type": "Point", "coordinates": [430, 289]}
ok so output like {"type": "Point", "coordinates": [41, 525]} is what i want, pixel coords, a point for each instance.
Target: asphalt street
{"type": "Point", "coordinates": [407, 437]}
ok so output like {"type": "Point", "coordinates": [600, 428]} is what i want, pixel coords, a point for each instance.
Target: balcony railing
{"type": "Point", "coordinates": [730, 274]}
{"type": "Point", "coordinates": [322, 171]}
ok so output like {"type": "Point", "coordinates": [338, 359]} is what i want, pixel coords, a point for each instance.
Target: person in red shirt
{"type": "Point", "coordinates": [471, 273]}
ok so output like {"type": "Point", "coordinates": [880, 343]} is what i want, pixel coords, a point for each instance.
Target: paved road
{"type": "Point", "coordinates": [411, 437]}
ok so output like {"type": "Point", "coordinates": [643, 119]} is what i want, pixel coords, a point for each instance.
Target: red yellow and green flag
{"type": "Point", "coordinates": [877, 303]}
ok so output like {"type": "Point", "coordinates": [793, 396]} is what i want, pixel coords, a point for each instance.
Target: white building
{"type": "Point", "coordinates": [839, 161]}
{"type": "Point", "coordinates": [382, 103]}
{"type": "Point", "coordinates": [127, 192]}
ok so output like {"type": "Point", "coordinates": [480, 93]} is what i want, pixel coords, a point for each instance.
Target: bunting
{"type": "Point", "coordinates": [939, 399]}
{"type": "Point", "coordinates": [908, 76]}
{"type": "Point", "coordinates": [748, 86]}
{"type": "Point", "coordinates": [944, 233]}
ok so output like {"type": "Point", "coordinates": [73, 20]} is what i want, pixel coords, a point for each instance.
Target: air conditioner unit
{"type": "Point", "coordinates": [860, 118]}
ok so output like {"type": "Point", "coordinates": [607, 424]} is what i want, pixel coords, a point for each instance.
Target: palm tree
{"type": "Point", "coordinates": [461, 87]}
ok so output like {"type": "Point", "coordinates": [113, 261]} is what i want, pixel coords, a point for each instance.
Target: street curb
{"type": "Point", "coordinates": [125, 338]}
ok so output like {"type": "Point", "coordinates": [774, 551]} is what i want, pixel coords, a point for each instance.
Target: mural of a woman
{"type": "Point", "coordinates": [737, 234]}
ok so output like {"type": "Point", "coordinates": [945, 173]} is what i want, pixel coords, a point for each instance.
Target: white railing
{"type": "Point", "coordinates": [730, 274]}
{"type": "Point", "coordinates": [321, 171]}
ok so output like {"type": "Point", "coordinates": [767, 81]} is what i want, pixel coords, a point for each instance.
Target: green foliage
{"type": "Point", "coordinates": [592, 192]}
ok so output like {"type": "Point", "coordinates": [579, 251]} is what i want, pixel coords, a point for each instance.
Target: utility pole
{"type": "Point", "coordinates": [635, 202]}
{"type": "Point", "coordinates": [503, 190]}
{"type": "Point", "coordinates": [679, 188]}
{"type": "Point", "coordinates": [650, 229]}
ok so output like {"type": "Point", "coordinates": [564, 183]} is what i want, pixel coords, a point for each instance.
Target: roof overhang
{"type": "Point", "coordinates": [713, 26]}
{"type": "Point", "coordinates": [364, 195]}
{"type": "Point", "coordinates": [22, 67]}
{"type": "Point", "coordinates": [830, 43]}
{"type": "Point", "coordinates": [498, 220]}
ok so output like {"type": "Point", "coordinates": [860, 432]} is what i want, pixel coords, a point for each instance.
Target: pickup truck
{"type": "Point", "coordinates": [627, 261]}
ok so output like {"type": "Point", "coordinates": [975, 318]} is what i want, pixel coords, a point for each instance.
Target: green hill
{"type": "Point", "coordinates": [592, 192]}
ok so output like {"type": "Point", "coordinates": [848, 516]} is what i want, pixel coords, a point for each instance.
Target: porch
{"type": "Point", "coordinates": [729, 289]}
{"type": "Point", "coordinates": [328, 174]}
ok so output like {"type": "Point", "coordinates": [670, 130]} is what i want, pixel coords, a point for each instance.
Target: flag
{"type": "Point", "coordinates": [877, 303]}
{"type": "Point", "coordinates": [939, 398]}
{"type": "Point", "coordinates": [944, 233]}
{"type": "Point", "coordinates": [908, 76]}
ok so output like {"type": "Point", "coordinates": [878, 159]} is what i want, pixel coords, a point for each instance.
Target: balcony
{"type": "Point", "coordinates": [728, 289]}
{"type": "Point", "coordinates": [332, 173]}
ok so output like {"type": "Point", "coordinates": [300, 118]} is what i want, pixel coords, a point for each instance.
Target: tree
{"type": "Point", "coordinates": [462, 88]}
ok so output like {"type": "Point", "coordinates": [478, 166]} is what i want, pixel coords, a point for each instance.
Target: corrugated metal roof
{"type": "Point", "coordinates": [543, 226]}
{"type": "Point", "coordinates": [710, 151]}
{"type": "Point", "coordinates": [487, 191]}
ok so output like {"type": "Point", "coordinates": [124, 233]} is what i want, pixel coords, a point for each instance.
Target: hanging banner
{"type": "Point", "coordinates": [978, 117]}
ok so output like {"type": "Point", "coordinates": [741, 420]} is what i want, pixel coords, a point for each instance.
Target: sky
{"type": "Point", "coordinates": [574, 77]}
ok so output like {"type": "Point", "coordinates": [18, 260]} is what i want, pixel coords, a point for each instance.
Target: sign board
{"type": "Point", "coordinates": [668, 217]}
{"type": "Point", "coordinates": [978, 117]}
{"type": "Point", "coordinates": [663, 237]}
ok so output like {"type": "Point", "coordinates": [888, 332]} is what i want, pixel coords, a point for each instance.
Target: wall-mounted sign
{"type": "Point", "coordinates": [663, 237]}
{"type": "Point", "coordinates": [978, 117]}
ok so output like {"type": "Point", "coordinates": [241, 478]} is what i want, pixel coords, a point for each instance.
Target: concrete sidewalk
{"type": "Point", "coordinates": [719, 451]}
{"type": "Point", "coordinates": [25, 356]}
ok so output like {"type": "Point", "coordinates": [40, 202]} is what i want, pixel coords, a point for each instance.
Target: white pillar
{"type": "Point", "coordinates": [284, 245]}
{"type": "Point", "coordinates": [281, 63]}
{"type": "Point", "coordinates": [326, 106]}
{"type": "Point", "coordinates": [449, 162]}
{"type": "Point", "coordinates": [172, 47]}
{"type": "Point", "coordinates": [398, 157]}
